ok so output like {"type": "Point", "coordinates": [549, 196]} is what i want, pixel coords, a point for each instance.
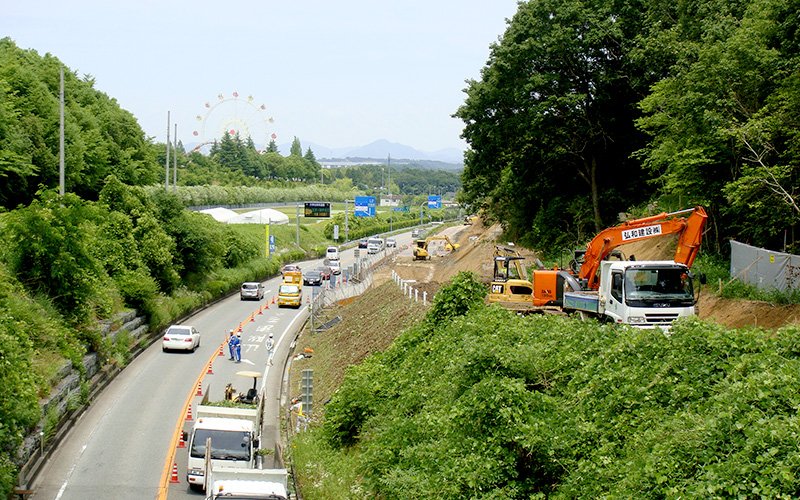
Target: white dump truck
{"type": "Point", "coordinates": [645, 294]}
{"type": "Point", "coordinates": [250, 484]}
{"type": "Point", "coordinates": [234, 434]}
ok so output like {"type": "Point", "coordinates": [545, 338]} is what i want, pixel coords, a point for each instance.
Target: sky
{"type": "Point", "coordinates": [337, 74]}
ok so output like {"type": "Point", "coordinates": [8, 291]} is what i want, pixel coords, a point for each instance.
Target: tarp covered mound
{"type": "Point", "coordinates": [219, 213]}
{"type": "Point", "coordinates": [263, 216]}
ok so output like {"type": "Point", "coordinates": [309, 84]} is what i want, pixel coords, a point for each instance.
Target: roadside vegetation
{"type": "Point", "coordinates": [475, 402]}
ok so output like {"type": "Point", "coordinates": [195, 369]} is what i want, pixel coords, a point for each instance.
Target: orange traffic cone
{"type": "Point", "coordinates": [252, 318]}
{"type": "Point", "coordinates": [189, 413]}
{"type": "Point", "coordinates": [181, 443]}
{"type": "Point", "coordinates": [199, 388]}
{"type": "Point", "coordinates": [221, 353]}
{"type": "Point", "coordinates": [211, 372]}
{"type": "Point", "coordinates": [174, 478]}
{"type": "Point", "coordinates": [260, 309]}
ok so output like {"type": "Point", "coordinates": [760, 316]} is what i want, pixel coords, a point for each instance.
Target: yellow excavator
{"type": "Point", "coordinates": [421, 246]}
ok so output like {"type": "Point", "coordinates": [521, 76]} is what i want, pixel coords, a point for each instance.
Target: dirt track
{"type": "Point", "coordinates": [475, 252]}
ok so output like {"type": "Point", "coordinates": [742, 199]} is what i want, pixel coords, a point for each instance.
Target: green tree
{"type": "Point", "coordinates": [296, 149]}
{"type": "Point", "coordinates": [732, 146]}
{"type": "Point", "coordinates": [550, 123]}
{"type": "Point", "coordinates": [51, 250]}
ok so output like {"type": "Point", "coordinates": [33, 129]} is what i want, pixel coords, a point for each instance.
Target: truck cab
{"type": "Point", "coordinates": [290, 292]}
{"type": "Point", "coordinates": [234, 435]}
{"type": "Point", "coordinates": [374, 245]}
{"type": "Point", "coordinates": [646, 294]}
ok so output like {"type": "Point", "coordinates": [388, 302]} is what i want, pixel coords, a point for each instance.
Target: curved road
{"type": "Point", "coordinates": [126, 445]}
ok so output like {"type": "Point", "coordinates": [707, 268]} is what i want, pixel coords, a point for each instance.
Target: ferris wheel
{"type": "Point", "coordinates": [235, 115]}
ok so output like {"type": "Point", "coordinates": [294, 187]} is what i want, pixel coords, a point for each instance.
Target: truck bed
{"type": "Point", "coordinates": [582, 301]}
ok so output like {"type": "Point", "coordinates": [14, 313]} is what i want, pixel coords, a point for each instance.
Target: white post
{"type": "Point", "coordinates": [416, 295]}
{"type": "Point", "coordinates": [424, 298]}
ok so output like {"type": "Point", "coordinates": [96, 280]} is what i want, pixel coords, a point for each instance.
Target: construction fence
{"type": "Point", "coordinates": [765, 269]}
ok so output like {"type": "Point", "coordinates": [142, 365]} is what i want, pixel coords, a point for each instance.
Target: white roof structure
{"type": "Point", "coordinates": [219, 213]}
{"type": "Point", "coordinates": [263, 216]}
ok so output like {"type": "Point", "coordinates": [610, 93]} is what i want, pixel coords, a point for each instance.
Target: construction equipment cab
{"type": "Point", "coordinates": [290, 293]}
{"type": "Point", "coordinates": [420, 249]}
{"type": "Point", "coordinates": [513, 290]}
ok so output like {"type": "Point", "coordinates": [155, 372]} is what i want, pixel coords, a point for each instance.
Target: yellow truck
{"type": "Point", "coordinates": [290, 293]}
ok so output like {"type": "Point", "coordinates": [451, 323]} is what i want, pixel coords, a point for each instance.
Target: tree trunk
{"type": "Point", "coordinates": [592, 171]}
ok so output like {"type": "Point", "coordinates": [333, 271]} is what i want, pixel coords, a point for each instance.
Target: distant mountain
{"type": "Point", "coordinates": [378, 151]}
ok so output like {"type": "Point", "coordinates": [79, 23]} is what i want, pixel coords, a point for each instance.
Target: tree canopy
{"type": "Point", "coordinates": [588, 108]}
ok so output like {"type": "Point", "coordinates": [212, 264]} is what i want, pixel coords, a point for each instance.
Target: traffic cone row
{"type": "Point", "coordinates": [199, 389]}
{"type": "Point", "coordinates": [189, 413]}
{"type": "Point", "coordinates": [181, 442]}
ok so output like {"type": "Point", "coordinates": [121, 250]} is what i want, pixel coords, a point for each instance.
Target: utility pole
{"type": "Point", "coordinates": [166, 181]}
{"type": "Point", "coordinates": [61, 137]}
{"type": "Point", "coordinates": [175, 165]}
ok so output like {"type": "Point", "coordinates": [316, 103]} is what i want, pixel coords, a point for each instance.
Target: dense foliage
{"type": "Point", "coordinates": [588, 108]}
{"type": "Point", "coordinates": [100, 137]}
{"type": "Point", "coordinates": [486, 404]}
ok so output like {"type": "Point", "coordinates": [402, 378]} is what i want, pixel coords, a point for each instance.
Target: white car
{"type": "Point", "coordinates": [180, 337]}
{"type": "Point", "coordinates": [335, 267]}
{"type": "Point", "coordinates": [391, 243]}
{"type": "Point", "coordinates": [251, 290]}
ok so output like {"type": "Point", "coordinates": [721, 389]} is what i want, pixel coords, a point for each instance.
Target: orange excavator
{"type": "Point", "coordinates": [690, 231]}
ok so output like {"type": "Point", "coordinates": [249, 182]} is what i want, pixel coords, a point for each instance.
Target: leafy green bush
{"type": "Point", "coordinates": [463, 293]}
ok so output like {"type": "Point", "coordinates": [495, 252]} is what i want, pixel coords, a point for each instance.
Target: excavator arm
{"type": "Point", "coordinates": [690, 232]}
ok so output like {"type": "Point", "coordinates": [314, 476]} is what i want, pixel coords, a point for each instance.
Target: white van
{"type": "Point", "coordinates": [332, 253]}
{"type": "Point", "coordinates": [375, 245]}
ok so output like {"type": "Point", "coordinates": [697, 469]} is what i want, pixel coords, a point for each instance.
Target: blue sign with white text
{"type": "Point", "coordinates": [365, 206]}
{"type": "Point", "coordinates": [434, 202]}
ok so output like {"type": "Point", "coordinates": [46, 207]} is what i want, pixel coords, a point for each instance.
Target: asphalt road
{"type": "Point", "coordinates": [126, 445]}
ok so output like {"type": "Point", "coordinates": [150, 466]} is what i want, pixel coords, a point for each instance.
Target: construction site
{"type": "Point", "coordinates": [476, 245]}
{"type": "Point", "coordinates": [372, 321]}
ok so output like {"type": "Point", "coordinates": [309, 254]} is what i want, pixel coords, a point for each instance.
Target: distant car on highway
{"type": "Point", "coordinates": [325, 271]}
{"type": "Point", "coordinates": [362, 243]}
{"type": "Point", "coordinates": [180, 337]}
{"type": "Point", "coordinates": [313, 277]}
{"type": "Point", "coordinates": [334, 265]}
{"type": "Point", "coordinates": [391, 242]}
{"type": "Point", "coordinates": [289, 267]}
{"type": "Point", "coordinates": [415, 233]}
{"type": "Point", "coordinates": [251, 290]}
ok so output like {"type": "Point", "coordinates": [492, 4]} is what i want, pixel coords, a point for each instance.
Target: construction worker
{"type": "Point", "coordinates": [235, 345]}
{"type": "Point", "coordinates": [231, 336]}
{"type": "Point", "coordinates": [270, 348]}
{"type": "Point", "coordinates": [238, 347]}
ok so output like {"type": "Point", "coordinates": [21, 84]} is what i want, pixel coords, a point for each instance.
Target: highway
{"type": "Point", "coordinates": [127, 444]}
